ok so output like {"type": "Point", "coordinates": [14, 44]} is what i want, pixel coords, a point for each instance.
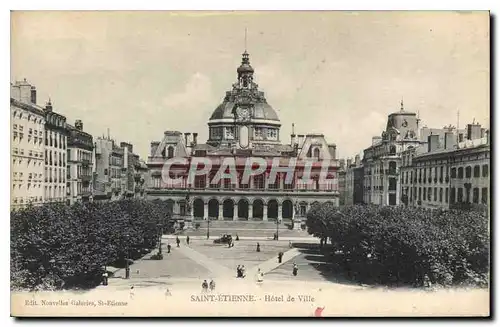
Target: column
{"type": "Point", "coordinates": [250, 210]}
{"type": "Point", "coordinates": [264, 209]}
{"type": "Point", "coordinates": [280, 212]}
{"type": "Point", "coordinates": [205, 210]}
{"type": "Point", "coordinates": [221, 211]}
{"type": "Point", "coordinates": [236, 212]}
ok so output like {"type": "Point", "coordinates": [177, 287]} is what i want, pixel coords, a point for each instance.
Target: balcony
{"type": "Point", "coordinates": [85, 163]}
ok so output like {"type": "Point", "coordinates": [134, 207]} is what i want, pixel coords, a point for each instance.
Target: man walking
{"type": "Point", "coordinates": [177, 241]}
{"type": "Point", "coordinates": [187, 240]}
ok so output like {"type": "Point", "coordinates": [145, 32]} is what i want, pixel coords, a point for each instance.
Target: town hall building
{"type": "Point", "coordinates": [244, 125]}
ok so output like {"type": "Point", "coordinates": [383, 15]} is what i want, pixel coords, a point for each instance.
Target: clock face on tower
{"type": "Point", "coordinates": [243, 114]}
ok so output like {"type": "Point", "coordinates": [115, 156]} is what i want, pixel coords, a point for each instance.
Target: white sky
{"type": "Point", "coordinates": [338, 73]}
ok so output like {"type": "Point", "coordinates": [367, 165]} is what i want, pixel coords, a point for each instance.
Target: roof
{"type": "Point", "coordinates": [261, 110]}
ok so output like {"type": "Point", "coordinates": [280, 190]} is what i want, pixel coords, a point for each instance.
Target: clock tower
{"type": "Point", "coordinates": [244, 120]}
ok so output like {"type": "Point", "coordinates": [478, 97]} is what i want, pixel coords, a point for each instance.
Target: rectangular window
{"type": "Point", "coordinates": [485, 170]}
{"type": "Point", "coordinates": [425, 193]}
{"type": "Point", "coordinates": [477, 171]}
{"type": "Point", "coordinates": [475, 195]}
{"type": "Point", "coordinates": [435, 194]}
{"type": "Point", "coordinates": [460, 196]}
{"type": "Point", "coordinates": [468, 172]}
{"type": "Point", "coordinates": [460, 173]}
{"type": "Point", "coordinates": [429, 194]}
{"type": "Point", "coordinates": [446, 195]}
{"type": "Point", "coordinates": [484, 195]}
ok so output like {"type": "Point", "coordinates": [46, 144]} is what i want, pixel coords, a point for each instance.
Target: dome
{"type": "Point", "coordinates": [245, 93]}
{"type": "Point", "coordinates": [245, 68]}
{"type": "Point", "coordinates": [261, 110]}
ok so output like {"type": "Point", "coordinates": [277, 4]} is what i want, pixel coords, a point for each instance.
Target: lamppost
{"type": "Point", "coordinates": [208, 227]}
{"type": "Point", "coordinates": [127, 268]}
{"type": "Point", "coordinates": [277, 228]}
{"type": "Point", "coordinates": [160, 234]}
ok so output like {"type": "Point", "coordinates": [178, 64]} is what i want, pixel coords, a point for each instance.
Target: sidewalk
{"type": "Point", "coordinates": [272, 263]}
{"type": "Point", "coordinates": [245, 238]}
{"type": "Point", "coordinates": [216, 269]}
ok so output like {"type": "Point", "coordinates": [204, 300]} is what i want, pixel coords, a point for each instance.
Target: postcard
{"type": "Point", "coordinates": [250, 164]}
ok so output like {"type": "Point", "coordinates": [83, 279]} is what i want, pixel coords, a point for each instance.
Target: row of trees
{"type": "Point", "coordinates": [400, 245]}
{"type": "Point", "coordinates": [59, 246]}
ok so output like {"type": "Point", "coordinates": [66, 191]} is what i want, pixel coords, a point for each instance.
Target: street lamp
{"type": "Point", "coordinates": [277, 228]}
{"type": "Point", "coordinates": [208, 227]}
{"type": "Point", "coordinates": [127, 268]}
{"type": "Point", "coordinates": [160, 234]}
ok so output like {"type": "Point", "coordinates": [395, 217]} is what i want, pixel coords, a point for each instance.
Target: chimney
{"type": "Point", "coordinates": [300, 140]}
{"type": "Point", "coordinates": [473, 131]}
{"type": "Point", "coordinates": [432, 142]}
{"type": "Point", "coordinates": [450, 141]}
{"type": "Point", "coordinates": [48, 106]}
{"type": "Point", "coordinates": [333, 151]}
{"type": "Point", "coordinates": [154, 147]}
{"type": "Point", "coordinates": [357, 160]}
{"type": "Point", "coordinates": [186, 138]}
{"type": "Point", "coordinates": [33, 95]}
{"type": "Point", "coordinates": [349, 163]}
{"type": "Point", "coordinates": [292, 139]}
{"type": "Point", "coordinates": [24, 91]}
{"type": "Point", "coordinates": [195, 138]}
{"type": "Point", "coordinates": [79, 125]}
{"type": "Point", "coordinates": [460, 137]}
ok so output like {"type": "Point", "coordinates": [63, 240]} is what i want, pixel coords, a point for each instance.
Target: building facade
{"type": "Point", "coordinates": [450, 174]}
{"type": "Point", "coordinates": [243, 126]}
{"type": "Point", "coordinates": [27, 146]}
{"type": "Point", "coordinates": [354, 179]}
{"type": "Point", "coordinates": [55, 155]}
{"type": "Point", "coordinates": [79, 176]}
{"type": "Point", "coordinates": [382, 160]}
{"type": "Point", "coordinates": [118, 172]}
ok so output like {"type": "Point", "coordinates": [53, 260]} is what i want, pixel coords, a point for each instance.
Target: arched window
{"type": "Point", "coordinates": [170, 151]}
{"type": "Point", "coordinates": [316, 153]}
{"type": "Point", "coordinates": [392, 150]}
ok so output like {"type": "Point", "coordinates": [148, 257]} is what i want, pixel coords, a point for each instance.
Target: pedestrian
{"type": "Point", "coordinates": [187, 240]}
{"type": "Point", "coordinates": [238, 272]}
{"type": "Point", "coordinates": [105, 278]}
{"type": "Point", "coordinates": [427, 281]}
{"type": "Point", "coordinates": [168, 248]}
{"type": "Point", "coordinates": [204, 286]}
{"type": "Point", "coordinates": [132, 292]}
{"type": "Point", "coordinates": [258, 247]}
{"type": "Point", "coordinates": [242, 271]}
{"type": "Point", "coordinates": [167, 292]}
{"type": "Point", "coordinates": [290, 245]}
{"type": "Point", "coordinates": [177, 241]}
{"type": "Point", "coordinates": [212, 285]}
{"type": "Point", "coordinates": [280, 257]}
{"type": "Point", "coordinates": [295, 269]}
{"type": "Point", "coordinates": [229, 243]}
{"type": "Point", "coordinates": [260, 276]}
{"type": "Point", "coordinates": [237, 237]}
